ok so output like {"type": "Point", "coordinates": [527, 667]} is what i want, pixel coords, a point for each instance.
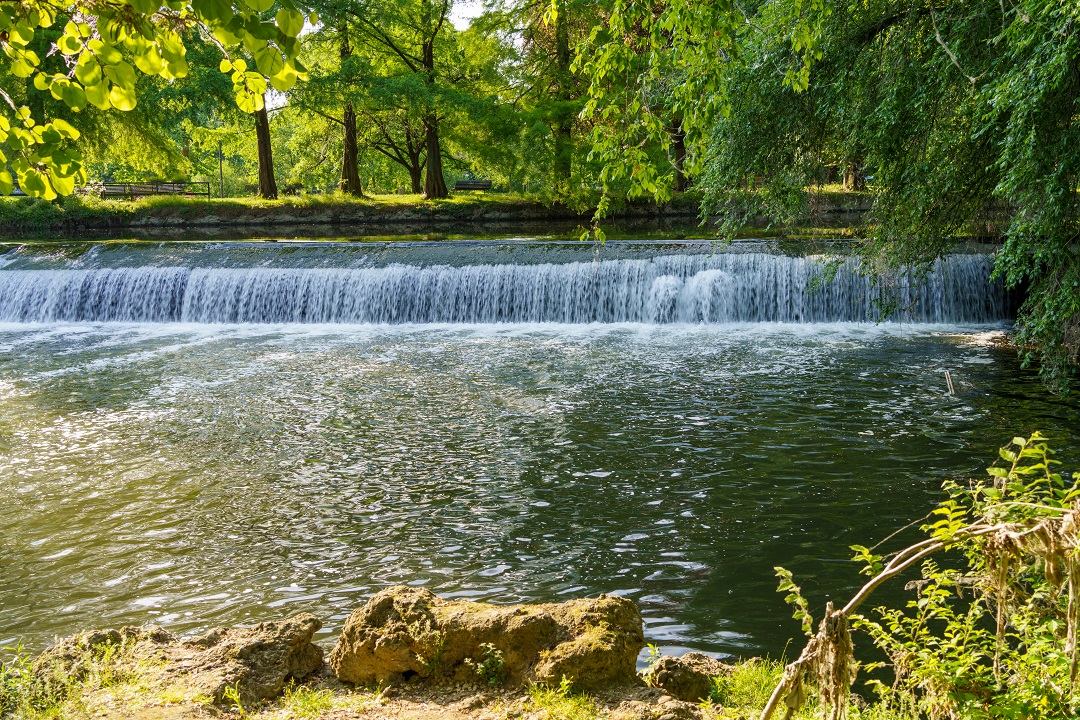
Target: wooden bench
{"type": "Point", "coordinates": [141, 189]}
{"type": "Point", "coordinates": [472, 185]}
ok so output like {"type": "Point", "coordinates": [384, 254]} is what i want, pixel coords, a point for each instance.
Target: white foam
{"type": "Point", "coordinates": [688, 288]}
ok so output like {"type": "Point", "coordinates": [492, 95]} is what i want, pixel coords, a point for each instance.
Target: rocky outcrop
{"type": "Point", "coordinates": [71, 659]}
{"type": "Point", "coordinates": [688, 678]}
{"type": "Point", "coordinates": [256, 661]}
{"type": "Point", "coordinates": [404, 632]}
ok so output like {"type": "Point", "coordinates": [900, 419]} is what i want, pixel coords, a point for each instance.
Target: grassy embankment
{"type": "Point", "coordinates": [71, 214]}
{"type": "Point", "coordinates": [113, 685]}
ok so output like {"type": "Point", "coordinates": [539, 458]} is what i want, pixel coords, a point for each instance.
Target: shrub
{"type": "Point", "coordinates": [996, 637]}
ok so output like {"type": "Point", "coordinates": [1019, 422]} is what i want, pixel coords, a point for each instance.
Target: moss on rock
{"type": "Point", "coordinates": [404, 632]}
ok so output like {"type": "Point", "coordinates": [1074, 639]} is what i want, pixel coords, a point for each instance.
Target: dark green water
{"type": "Point", "coordinates": [198, 474]}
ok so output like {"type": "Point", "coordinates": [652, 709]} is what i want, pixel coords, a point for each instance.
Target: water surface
{"type": "Point", "coordinates": [197, 474]}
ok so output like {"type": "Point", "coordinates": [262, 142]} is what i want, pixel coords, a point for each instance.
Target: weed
{"type": "Point", "coordinates": [433, 664]}
{"type": "Point", "coordinates": [304, 701]}
{"type": "Point", "coordinates": [561, 703]}
{"type": "Point", "coordinates": [491, 669]}
{"type": "Point", "coordinates": [232, 694]}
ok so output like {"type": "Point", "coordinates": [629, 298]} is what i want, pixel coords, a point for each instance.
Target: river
{"type": "Point", "coordinates": [197, 434]}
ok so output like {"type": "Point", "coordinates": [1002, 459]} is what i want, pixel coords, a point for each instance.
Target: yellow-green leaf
{"type": "Point", "coordinates": [62, 185]}
{"type": "Point", "coordinates": [121, 74]}
{"type": "Point", "coordinates": [122, 98]}
{"type": "Point", "coordinates": [290, 22]}
{"type": "Point", "coordinates": [269, 61]}
{"type": "Point", "coordinates": [65, 128]}
{"type": "Point", "coordinates": [150, 61]}
{"type": "Point", "coordinates": [69, 44]}
{"type": "Point", "coordinates": [89, 72]}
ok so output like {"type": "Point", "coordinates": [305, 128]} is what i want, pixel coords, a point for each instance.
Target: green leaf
{"type": "Point", "coordinates": [21, 34]}
{"type": "Point", "coordinates": [143, 7]}
{"type": "Point", "coordinates": [66, 129]}
{"type": "Point", "coordinates": [284, 80]}
{"type": "Point", "coordinates": [150, 61]}
{"type": "Point", "coordinates": [62, 185]}
{"type": "Point", "coordinates": [248, 102]}
{"type": "Point", "coordinates": [269, 61]}
{"type": "Point", "coordinates": [69, 45]}
{"type": "Point", "coordinates": [74, 97]}
{"type": "Point", "coordinates": [34, 183]}
{"type": "Point", "coordinates": [7, 183]}
{"type": "Point", "coordinates": [21, 69]}
{"type": "Point", "coordinates": [290, 22]}
{"type": "Point", "coordinates": [105, 53]}
{"type": "Point", "coordinates": [260, 5]}
{"type": "Point", "coordinates": [121, 74]}
{"type": "Point", "coordinates": [215, 11]}
{"type": "Point", "coordinates": [88, 72]}
{"type": "Point", "coordinates": [122, 98]}
{"type": "Point", "coordinates": [98, 95]}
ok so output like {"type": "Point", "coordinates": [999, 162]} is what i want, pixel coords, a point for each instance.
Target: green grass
{"type": "Point", "coordinates": [63, 690]}
{"type": "Point", "coordinates": [112, 676]}
{"type": "Point", "coordinates": [561, 704]}
{"type": "Point", "coordinates": [23, 214]}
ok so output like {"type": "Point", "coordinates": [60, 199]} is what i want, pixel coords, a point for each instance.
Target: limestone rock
{"type": "Point", "coordinates": [687, 678]}
{"type": "Point", "coordinates": [404, 632]}
{"type": "Point", "coordinates": [72, 658]}
{"type": "Point", "coordinates": [258, 661]}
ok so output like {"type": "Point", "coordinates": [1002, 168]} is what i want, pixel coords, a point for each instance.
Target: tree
{"type": "Point", "coordinates": [412, 32]}
{"type": "Point", "coordinates": [544, 87]}
{"type": "Point", "coordinates": [101, 45]}
{"type": "Point", "coordinates": [965, 115]}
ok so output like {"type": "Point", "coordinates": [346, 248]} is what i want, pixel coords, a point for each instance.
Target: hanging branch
{"type": "Point", "coordinates": [1049, 532]}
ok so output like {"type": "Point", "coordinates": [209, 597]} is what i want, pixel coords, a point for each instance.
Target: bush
{"type": "Point", "coordinates": [996, 637]}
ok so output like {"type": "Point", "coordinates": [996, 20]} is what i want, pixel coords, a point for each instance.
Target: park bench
{"type": "Point", "coordinates": [142, 189]}
{"type": "Point", "coordinates": [472, 185]}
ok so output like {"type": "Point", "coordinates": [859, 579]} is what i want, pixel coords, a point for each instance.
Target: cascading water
{"type": "Point", "coordinates": [664, 288]}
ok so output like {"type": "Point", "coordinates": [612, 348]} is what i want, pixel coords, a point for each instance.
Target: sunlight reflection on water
{"type": "Point", "coordinates": [200, 475]}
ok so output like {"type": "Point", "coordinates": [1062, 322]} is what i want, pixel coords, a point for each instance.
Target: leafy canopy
{"type": "Point", "coordinates": [101, 45]}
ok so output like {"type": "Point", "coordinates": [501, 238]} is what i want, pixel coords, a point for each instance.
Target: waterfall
{"type": "Point", "coordinates": [686, 288]}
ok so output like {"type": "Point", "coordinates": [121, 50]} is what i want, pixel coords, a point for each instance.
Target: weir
{"type": "Point", "coordinates": [720, 287]}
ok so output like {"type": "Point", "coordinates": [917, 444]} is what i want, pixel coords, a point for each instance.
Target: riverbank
{"type": "Point", "coordinates": [407, 653]}
{"type": "Point", "coordinates": [117, 682]}
{"type": "Point", "coordinates": [385, 214]}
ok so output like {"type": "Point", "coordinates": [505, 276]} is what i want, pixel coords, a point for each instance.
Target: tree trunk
{"type": "Point", "coordinates": [350, 173]}
{"type": "Point", "coordinates": [434, 184]}
{"type": "Point", "coordinates": [563, 126]}
{"type": "Point", "coordinates": [853, 177]}
{"type": "Point", "coordinates": [678, 141]}
{"type": "Point", "coordinates": [416, 176]}
{"type": "Point", "coordinates": [267, 183]}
